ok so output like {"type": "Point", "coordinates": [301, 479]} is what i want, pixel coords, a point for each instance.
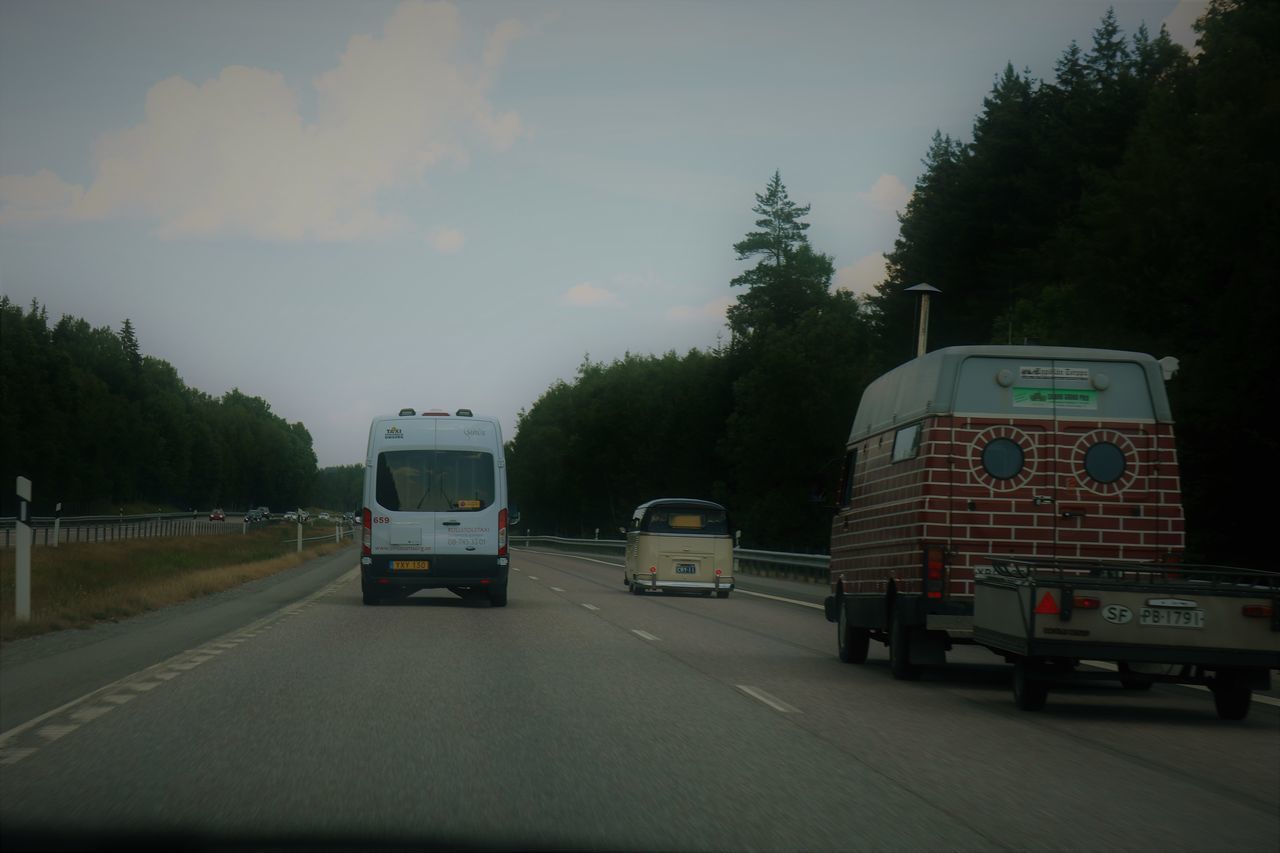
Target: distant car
{"type": "Point", "coordinates": [291, 516]}
{"type": "Point", "coordinates": [254, 515]}
{"type": "Point", "coordinates": [266, 513]}
{"type": "Point", "coordinates": [217, 515]}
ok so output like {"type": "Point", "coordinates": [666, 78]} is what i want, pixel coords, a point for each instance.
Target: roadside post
{"type": "Point", "coordinates": [22, 564]}
{"type": "Point", "coordinates": [737, 543]}
{"type": "Point", "coordinates": [57, 522]}
{"type": "Point", "coordinates": [337, 533]}
{"type": "Point", "coordinates": [299, 530]}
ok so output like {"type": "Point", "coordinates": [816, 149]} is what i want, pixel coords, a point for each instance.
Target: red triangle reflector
{"type": "Point", "coordinates": [1048, 604]}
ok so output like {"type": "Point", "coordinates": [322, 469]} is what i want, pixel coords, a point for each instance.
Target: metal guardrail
{"type": "Point", "coordinates": [750, 561]}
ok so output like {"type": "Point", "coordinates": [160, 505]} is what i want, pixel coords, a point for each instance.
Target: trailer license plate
{"type": "Point", "coordinates": [410, 565]}
{"type": "Point", "coordinates": [686, 569]}
{"type": "Point", "coordinates": [1171, 618]}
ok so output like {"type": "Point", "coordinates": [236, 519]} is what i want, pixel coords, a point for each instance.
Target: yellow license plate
{"type": "Point", "coordinates": [410, 565]}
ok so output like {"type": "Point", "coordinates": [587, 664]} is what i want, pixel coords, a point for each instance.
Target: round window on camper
{"type": "Point", "coordinates": [1104, 462]}
{"type": "Point", "coordinates": [1002, 458]}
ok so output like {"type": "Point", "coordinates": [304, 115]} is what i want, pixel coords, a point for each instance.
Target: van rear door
{"type": "Point", "coordinates": [468, 454]}
{"type": "Point", "coordinates": [403, 484]}
{"type": "Point", "coordinates": [1107, 457]}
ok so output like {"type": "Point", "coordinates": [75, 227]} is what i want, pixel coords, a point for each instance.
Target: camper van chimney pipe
{"type": "Point", "coordinates": [922, 335]}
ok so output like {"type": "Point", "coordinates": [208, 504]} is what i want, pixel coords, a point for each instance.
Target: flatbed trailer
{"type": "Point", "coordinates": [1188, 624]}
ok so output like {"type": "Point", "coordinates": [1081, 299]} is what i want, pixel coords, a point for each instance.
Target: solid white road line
{"type": "Point", "coordinates": [644, 635]}
{"type": "Point", "coordinates": [772, 701]}
{"type": "Point", "coordinates": [778, 598]}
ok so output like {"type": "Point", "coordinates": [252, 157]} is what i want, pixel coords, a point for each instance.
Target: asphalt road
{"type": "Point", "coordinates": [583, 717]}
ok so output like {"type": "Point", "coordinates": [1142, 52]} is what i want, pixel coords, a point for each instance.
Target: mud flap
{"type": "Point", "coordinates": [928, 648]}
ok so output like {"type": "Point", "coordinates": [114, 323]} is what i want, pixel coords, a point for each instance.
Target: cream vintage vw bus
{"type": "Point", "coordinates": [679, 545]}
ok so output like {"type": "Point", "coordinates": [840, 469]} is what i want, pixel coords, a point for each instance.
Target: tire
{"type": "Point", "coordinates": [851, 642]}
{"type": "Point", "coordinates": [722, 593]}
{"type": "Point", "coordinates": [368, 594]}
{"type": "Point", "coordinates": [900, 665]}
{"type": "Point", "coordinates": [1028, 694]}
{"type": "Point", "coordinates": [636, 588]}
{"type": "Point", "coordinates": [1231, 697]}
{"type": "Point", "coordinates": [498, 596]}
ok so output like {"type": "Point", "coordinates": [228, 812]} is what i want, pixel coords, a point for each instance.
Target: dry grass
{"type": "Point", "coordinates": [74, 586]}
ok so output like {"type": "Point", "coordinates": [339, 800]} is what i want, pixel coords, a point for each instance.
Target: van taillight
{"type": "Point", "coordinates": [935, 571]}
{"type": "Point", "coordinates": [1262, 611]}
{"type": "Point", "coordinates": [502, 532]}
{"type": "Point", "coordinates": [366, 532]}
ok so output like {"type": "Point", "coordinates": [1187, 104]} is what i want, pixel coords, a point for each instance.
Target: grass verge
{"type": "Point", "coordinates": [74, 586]}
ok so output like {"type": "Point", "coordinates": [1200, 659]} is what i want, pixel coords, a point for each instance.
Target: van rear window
{"type": "Point", "coordinates": [695, 521]}
{"type": "Point", "coordinates": [435, 480]}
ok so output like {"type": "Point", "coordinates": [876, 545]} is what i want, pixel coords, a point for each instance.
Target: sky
{"type": "Point", "coordinates": [347, 208]}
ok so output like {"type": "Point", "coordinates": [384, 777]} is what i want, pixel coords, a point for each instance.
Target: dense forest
{"type": "Point", "coordinates": [1130, 202]}
{"type": "Point", "coordinates": [96, 425]}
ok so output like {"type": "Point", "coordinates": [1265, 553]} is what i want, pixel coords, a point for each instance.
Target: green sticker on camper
{"type": "Point", "coordinates": [1048, 398]}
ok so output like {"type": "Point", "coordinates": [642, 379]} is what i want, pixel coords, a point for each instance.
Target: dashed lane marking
{"type": "Point", "coordinates": [644, 635]}
{"type": "Point", "coordinates": [1102, 664]}
{"type": "Point", "coordinates": [556, 589]}
{"type": "Point", "coordinates": [772, 701]}
{"type": "Point", "coordinates": [590, 606]}
{"type": "Point", "coordinates": [68, 717]}
{"type": "Point", "coordinates": [52, 733]}
{"type": "Point", "coordinates": [778, 598]}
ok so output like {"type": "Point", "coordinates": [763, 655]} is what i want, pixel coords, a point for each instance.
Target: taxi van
{"type": "Point", "coordinates": [435, 507]}
{"type": "Point", "coordinates": [679, 545]}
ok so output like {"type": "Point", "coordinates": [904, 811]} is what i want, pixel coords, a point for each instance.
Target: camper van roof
{"type": "Point", "coordinates": [677, 502]}
{"type": "Point", "coordinates": [927, 385]}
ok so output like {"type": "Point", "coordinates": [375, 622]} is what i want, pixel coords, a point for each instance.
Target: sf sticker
{"type": "Point", "coordinates": [1117, 614]}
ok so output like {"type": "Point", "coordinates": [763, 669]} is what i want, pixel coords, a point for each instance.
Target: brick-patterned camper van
{"type": "Point", "coordinates": [1047, 452]}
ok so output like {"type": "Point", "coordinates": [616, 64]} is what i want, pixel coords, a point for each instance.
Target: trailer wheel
{"type": "Point", "coordinates": [900, 665]}
{"type": "Point", "coordinates": [722, 593]}
{"type": "Point", "coordinates": [851, 642]}
{"type": "Point", "coordinates": [1231, 696]}
{"type": "Point", "coordinates": [1028, 694]}
{"type": "Point", "coordinates": [636, 589]}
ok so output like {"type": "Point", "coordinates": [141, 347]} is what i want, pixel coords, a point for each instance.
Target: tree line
{"type": "Point", "coordinates": [1129, 202]}
{"type": "Point", "coordinates": [97, 425]}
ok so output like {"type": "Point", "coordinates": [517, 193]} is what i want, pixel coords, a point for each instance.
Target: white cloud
{"type": "Point", "coordinates": [887, 194]}
{"type": "Point", "coordinates": [713, 310]}
{"type": "Point", "coordinates": [447, 240]}
{"type": "Point", "coordinates": [587, 295]}
{"type": "Point", "coordinates": [1180, 20]}
{"type": "Point", "coordinates": [862, 277]}
{"type": "Point", "coordinates": [31, 198]}
{"type": "Point", "coordinates": [234, 155]}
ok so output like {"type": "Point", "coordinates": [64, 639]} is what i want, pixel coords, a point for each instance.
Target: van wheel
{"type": "Point", "coordinates": [900, 665]}
{"type": "Point", "coordinates": [1028, 694]}
{"type": "Point", "coordinates": [851, 642]}
{"type": "Point", "coordinates": [1231, 696]}
{"type": "Point", "coordinates": [498, 596]}
{"type": "Point", "coordinates": [368, 593]}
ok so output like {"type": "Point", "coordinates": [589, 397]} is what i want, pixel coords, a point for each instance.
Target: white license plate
{"type": "Point", "coordinates": [686, 569]}
{"type": "Point", "coordinates": [1171, 618]}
